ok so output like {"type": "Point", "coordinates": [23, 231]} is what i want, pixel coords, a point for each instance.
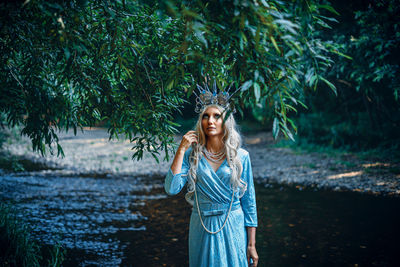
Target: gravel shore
{"type": "Point", "coordinates": [90, 153]}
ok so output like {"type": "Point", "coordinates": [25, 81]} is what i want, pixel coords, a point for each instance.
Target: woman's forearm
{"type": "Point", "coordinates": [187, 140]}
{"type": "Point", "coordinates": [176, 165]}
{"type": "Point", "coordinates": [251, 236]}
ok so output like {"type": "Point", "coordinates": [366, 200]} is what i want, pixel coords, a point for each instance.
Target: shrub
{"type": "Point", "coordinates": [17, 247]}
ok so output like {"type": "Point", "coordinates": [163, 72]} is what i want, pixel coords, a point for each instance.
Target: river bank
{"type": "Point", "coordinates": [91, 154]}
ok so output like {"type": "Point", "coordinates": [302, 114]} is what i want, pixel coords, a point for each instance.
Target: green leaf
{"type": "Point", "coordinates": [329, 84]}
{"type": "Point", "coordinates": [313, 79]}
{"type": "Point", "coordinates": [275, 44]}
{"type": "Point", "coordinates": [275, 128]}
{"type": "Point", "coordinates": [341, 54]}
{"type": "Point", "coordinates": [245, 86]}
{"type": "Point", "coordinates": [329, 8]}
{"type": "Point", "coordinates": [257, 92]}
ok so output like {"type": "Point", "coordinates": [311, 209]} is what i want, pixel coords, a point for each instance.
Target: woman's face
{"type": "Point", "coordinates": [211, 122]}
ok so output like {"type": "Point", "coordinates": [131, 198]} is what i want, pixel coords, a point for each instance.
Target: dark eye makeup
{"type": "Point", "coordinates": [216, 115]}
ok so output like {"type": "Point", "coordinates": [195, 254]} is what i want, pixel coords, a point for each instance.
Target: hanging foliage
{"type": "Point", "coordinates": [65, 64]}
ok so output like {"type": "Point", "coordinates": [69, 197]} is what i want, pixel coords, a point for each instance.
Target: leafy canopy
{"type": "Point", "coordinates": [66, 64]}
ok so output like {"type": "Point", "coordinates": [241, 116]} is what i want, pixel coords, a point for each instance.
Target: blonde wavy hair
{"type": "Point", "coordinates": [232, 142]}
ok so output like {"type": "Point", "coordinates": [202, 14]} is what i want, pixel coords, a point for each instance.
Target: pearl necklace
{"type": "Point", "coordinates": [214, 157]}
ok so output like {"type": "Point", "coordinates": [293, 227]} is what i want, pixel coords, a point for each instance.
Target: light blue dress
{"type": "Point", "coordinates": [229, 246]}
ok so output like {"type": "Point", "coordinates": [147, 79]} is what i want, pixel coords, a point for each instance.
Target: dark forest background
{"type": "Point", "coordinates": [365, 114]}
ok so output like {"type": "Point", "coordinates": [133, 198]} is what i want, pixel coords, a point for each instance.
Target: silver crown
{"type": "Point", "coordinates": [206, 97]}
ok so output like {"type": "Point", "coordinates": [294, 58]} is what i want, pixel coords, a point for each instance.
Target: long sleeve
{"type": "Point", "coordinates": [249, 198]}
{"type": "Point", "coordinates": [174, 183]}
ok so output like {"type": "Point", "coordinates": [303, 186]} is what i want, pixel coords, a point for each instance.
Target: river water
{"type": "Point", "coordinates": [130, 221]}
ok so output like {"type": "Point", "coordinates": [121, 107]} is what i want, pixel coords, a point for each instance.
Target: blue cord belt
{"type": "Point", "coordinates": [211, 209]}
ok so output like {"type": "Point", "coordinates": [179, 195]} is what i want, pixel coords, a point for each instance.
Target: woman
{"type": "Point", "coordinates": [220, 188]}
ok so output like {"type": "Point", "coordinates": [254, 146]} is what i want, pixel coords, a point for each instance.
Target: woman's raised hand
{"type": "Point", "coordinates": [187, 140]}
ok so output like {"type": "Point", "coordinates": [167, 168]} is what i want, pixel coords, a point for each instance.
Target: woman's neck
{"type": "Point", "coordinates": [214, 143]}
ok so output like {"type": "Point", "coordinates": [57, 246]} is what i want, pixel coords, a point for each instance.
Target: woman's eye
{"type": "Point", "coordinates": [205, 116]}
{"type": "Point", "coordinates": [217, 116]}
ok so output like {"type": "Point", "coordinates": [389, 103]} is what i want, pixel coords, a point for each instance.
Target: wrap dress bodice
{"type": "Point", "coordinates": [227, 247]}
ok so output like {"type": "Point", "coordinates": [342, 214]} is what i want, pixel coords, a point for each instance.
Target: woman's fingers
{"type": "Point", "coordinates": [189, 138]}
{"type": "Point", "coordinates": [255, 260]}
{"type": "Point", "coordinates": [252, 257]}
{"type": "Point", "coordinates": [191, 135]}
{"type": "Point", "coordinates": [193, 139]}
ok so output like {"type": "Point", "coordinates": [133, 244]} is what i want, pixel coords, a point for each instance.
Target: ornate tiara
{"type": "Point", "coordinates": [205, 97]}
